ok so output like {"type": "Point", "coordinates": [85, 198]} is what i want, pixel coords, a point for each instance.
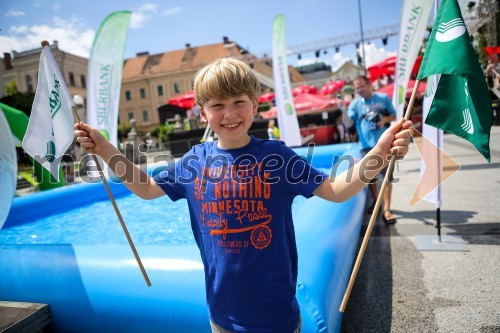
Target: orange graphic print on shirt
{"type": "Point", "coordinates": [233, 202]}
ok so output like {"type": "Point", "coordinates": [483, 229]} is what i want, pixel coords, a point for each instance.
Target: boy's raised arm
{"type": "Point", "coordinates": [132, 176]}
{"type": "Point", "coordinates": [395, 140]}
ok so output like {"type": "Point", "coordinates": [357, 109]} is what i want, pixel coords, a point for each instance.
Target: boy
{"type": "Point", "coordinates": [239, 190]}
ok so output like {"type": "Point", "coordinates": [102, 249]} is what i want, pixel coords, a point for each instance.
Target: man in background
{"type": "Point", "coordinates": [371, 113]}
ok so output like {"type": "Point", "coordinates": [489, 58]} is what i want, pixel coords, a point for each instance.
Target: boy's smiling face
{"type": "Point", "coordinates": [230, 119]}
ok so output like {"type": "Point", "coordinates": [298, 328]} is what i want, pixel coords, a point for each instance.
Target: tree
{"type": "Point", "coordinates": [11, 88]}
{"type": "Point", "coordinates": [17, 100]}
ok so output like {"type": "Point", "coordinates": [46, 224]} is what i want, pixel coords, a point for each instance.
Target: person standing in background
{"type": "Point", "coordinates": [371, 113]}
{"type": "Point", "coordinates": [273, 132]}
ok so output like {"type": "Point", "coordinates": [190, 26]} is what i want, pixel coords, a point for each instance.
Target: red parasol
{"type": "Point", "coordinates": [266, 98]}
{"type": "Point", "coordinates": [306, 103]}
{"type": "Point", "coordinates": [332, 87]}
{"type": "Point", "coordinates": [184, 101]}
{"type": "Point", "coordinates": [388, 67]}
{"type": "Point", "coordinates": [304, 89]}
{"type": "Point", "coordinates": [389, 89]}
{"type": "Point", "coordinates": [492, 52]}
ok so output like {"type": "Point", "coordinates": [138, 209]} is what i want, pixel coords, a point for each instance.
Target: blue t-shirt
{"type": "Point", "coordinates": [240, 207]}
{"type": "Point", "coordinates": [364, 114]}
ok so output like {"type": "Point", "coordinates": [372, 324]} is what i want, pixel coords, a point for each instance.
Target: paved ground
{"type": "Point", "coordinates": [402, 289]}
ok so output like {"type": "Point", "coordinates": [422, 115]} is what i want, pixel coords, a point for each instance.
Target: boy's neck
{"type": "Point", "coordinates": [234, 144]}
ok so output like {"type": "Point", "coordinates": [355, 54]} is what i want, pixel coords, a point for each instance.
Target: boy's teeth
{"type": "Point", "coordinates": [231, 125]}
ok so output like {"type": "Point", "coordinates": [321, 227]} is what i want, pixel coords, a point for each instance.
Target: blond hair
{"type": "Point", "coordinates": [224, 78]}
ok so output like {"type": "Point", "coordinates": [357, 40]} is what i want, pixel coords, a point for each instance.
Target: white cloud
{"type": "Point", "coordinates": [142, 14]}
{"type": "Point", "coordinates": [374, 54]}
{"type": "Point", "coordinates": [148, 7]}
{"type": "Point", "coordinates": [21, 29]}
{"type": "Point", "coordinates": [14, 13]}
{"type": "Point", "coordinates": [172, 11]}
{"type": "Point", "coordinates": [337, 60]}
{"type": "Point", "coordinates": [71, 35]}
{"type": "Point", "coordinates": [56, 6]}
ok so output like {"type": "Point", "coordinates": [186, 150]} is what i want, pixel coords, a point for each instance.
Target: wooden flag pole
{"type": "Point", "coordinates": [117, 211]}
{"type": "Point", "coordinates": [375, 210]}
{"type": "Point", "coordinates": [111, 197]}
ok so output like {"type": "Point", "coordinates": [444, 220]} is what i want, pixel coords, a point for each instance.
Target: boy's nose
{"type": "Point", "coordinates": [229, 111]}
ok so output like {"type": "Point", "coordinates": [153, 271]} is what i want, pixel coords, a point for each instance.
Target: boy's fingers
{"type": "Point", "coordinates": [403, 134]}
{"type": "Point", "coordinates": [85, 127]}
{"type": "Point", "coordinates": [407, 124]}
{"type": "Point", "coordinates": [396, 127]}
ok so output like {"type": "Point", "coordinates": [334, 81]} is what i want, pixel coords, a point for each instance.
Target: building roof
{"type": "Point", "coordinates": [314, 67]}
{"type": "Point", "coordinates": [189, 58]}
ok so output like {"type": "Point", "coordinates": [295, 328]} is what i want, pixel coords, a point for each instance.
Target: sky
{"type": "Point", "coordinates": [161, 26]}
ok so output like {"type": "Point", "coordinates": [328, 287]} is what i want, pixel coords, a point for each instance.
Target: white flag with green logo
{"type": "Point", "coordinates": [105, 74]}
{"type": "Point", "coordinates": [287, 118]}
{"type": "Point", "coordinates": [414, 17]}
{"type": "Point", "coordinates": [50, 128]}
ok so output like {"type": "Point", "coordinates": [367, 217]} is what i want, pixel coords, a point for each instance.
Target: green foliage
{"type": "Point", "coordinates": [123, 130]}
{"type": "Point", "coordinates": [17, 100]}
{"type": "Point", "coordinates": [11, 88]}
{"type": "Point", "coordinates": [155, 131]}
{"type": "Point", "coordinates": [28, 175]}
{"type": "Point", "coordinates": [264, 107]}
{"type": "Point", "coordinates": [164, 132]}
{"type": "Point", "coordinates": [481, 44]}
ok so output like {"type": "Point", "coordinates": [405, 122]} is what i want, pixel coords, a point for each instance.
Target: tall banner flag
{"type": "Point", "coordinates": [431, 147]}
{"type": "Point", "coordinates": [50, 129]}
{"type": "Point", "coordinates": [287, 118]}
{"type": "Point", "coordinates": [435, 137]}
{"type": "Point", "coordinates": [105, 74]}
{"type": "Point", "coordinates": [414, 17]}
{"type": "Point", "coordinates": [8, 168]}
{"type": "Point", "coordinates": [461, 104]}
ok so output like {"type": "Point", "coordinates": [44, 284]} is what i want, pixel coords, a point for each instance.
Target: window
{"type": "Point", "coordinates": [71, 79]}
{"type": "Point", "coordinates": [160, 90]}
{"type": "Point", "coordinates": [82, 81]}
{"type": "Point", "coordinates": [145, 116]}
{"type": "Point", "coordinates": [29, 83]}
{"type": "Point", "coordinates": [130, 116]}
{"type": "Point", "coordinates": [128, 95]}
{"type": "Point", "coordinates": [142, 93]}
{"type": "Point", "coordinates": [177, 88]}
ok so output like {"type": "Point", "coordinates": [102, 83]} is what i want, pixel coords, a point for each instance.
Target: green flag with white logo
{"type": "Point", "coordinates": [462, 104]}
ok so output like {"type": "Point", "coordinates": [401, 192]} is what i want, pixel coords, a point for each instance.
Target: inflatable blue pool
{"type": "Point", "coordinates": [99, 287]}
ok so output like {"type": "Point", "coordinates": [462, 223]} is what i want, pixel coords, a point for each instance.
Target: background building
{"type": "Point", "coordinates": [347, 72]}
{"type": "Point", "coordinates": [22, 68]}
{"type": "Point", "coordinates": [149, 81]}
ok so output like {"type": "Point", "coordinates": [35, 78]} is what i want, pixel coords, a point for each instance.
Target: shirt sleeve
{"type": "Point", "coordinates": [390, 106]}
{"type": "Point", "coordinates": [351, 111]}
{"type": "Point", "coordinates": [169, 180]}
{"type": "Point", "coordinates": [300, 176]}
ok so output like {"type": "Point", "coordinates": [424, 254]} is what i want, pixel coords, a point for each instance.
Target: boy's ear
{"type": "Point", "coordinates": [203, 115]}
{"type": "Point", "coordinates": [255, 108]}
